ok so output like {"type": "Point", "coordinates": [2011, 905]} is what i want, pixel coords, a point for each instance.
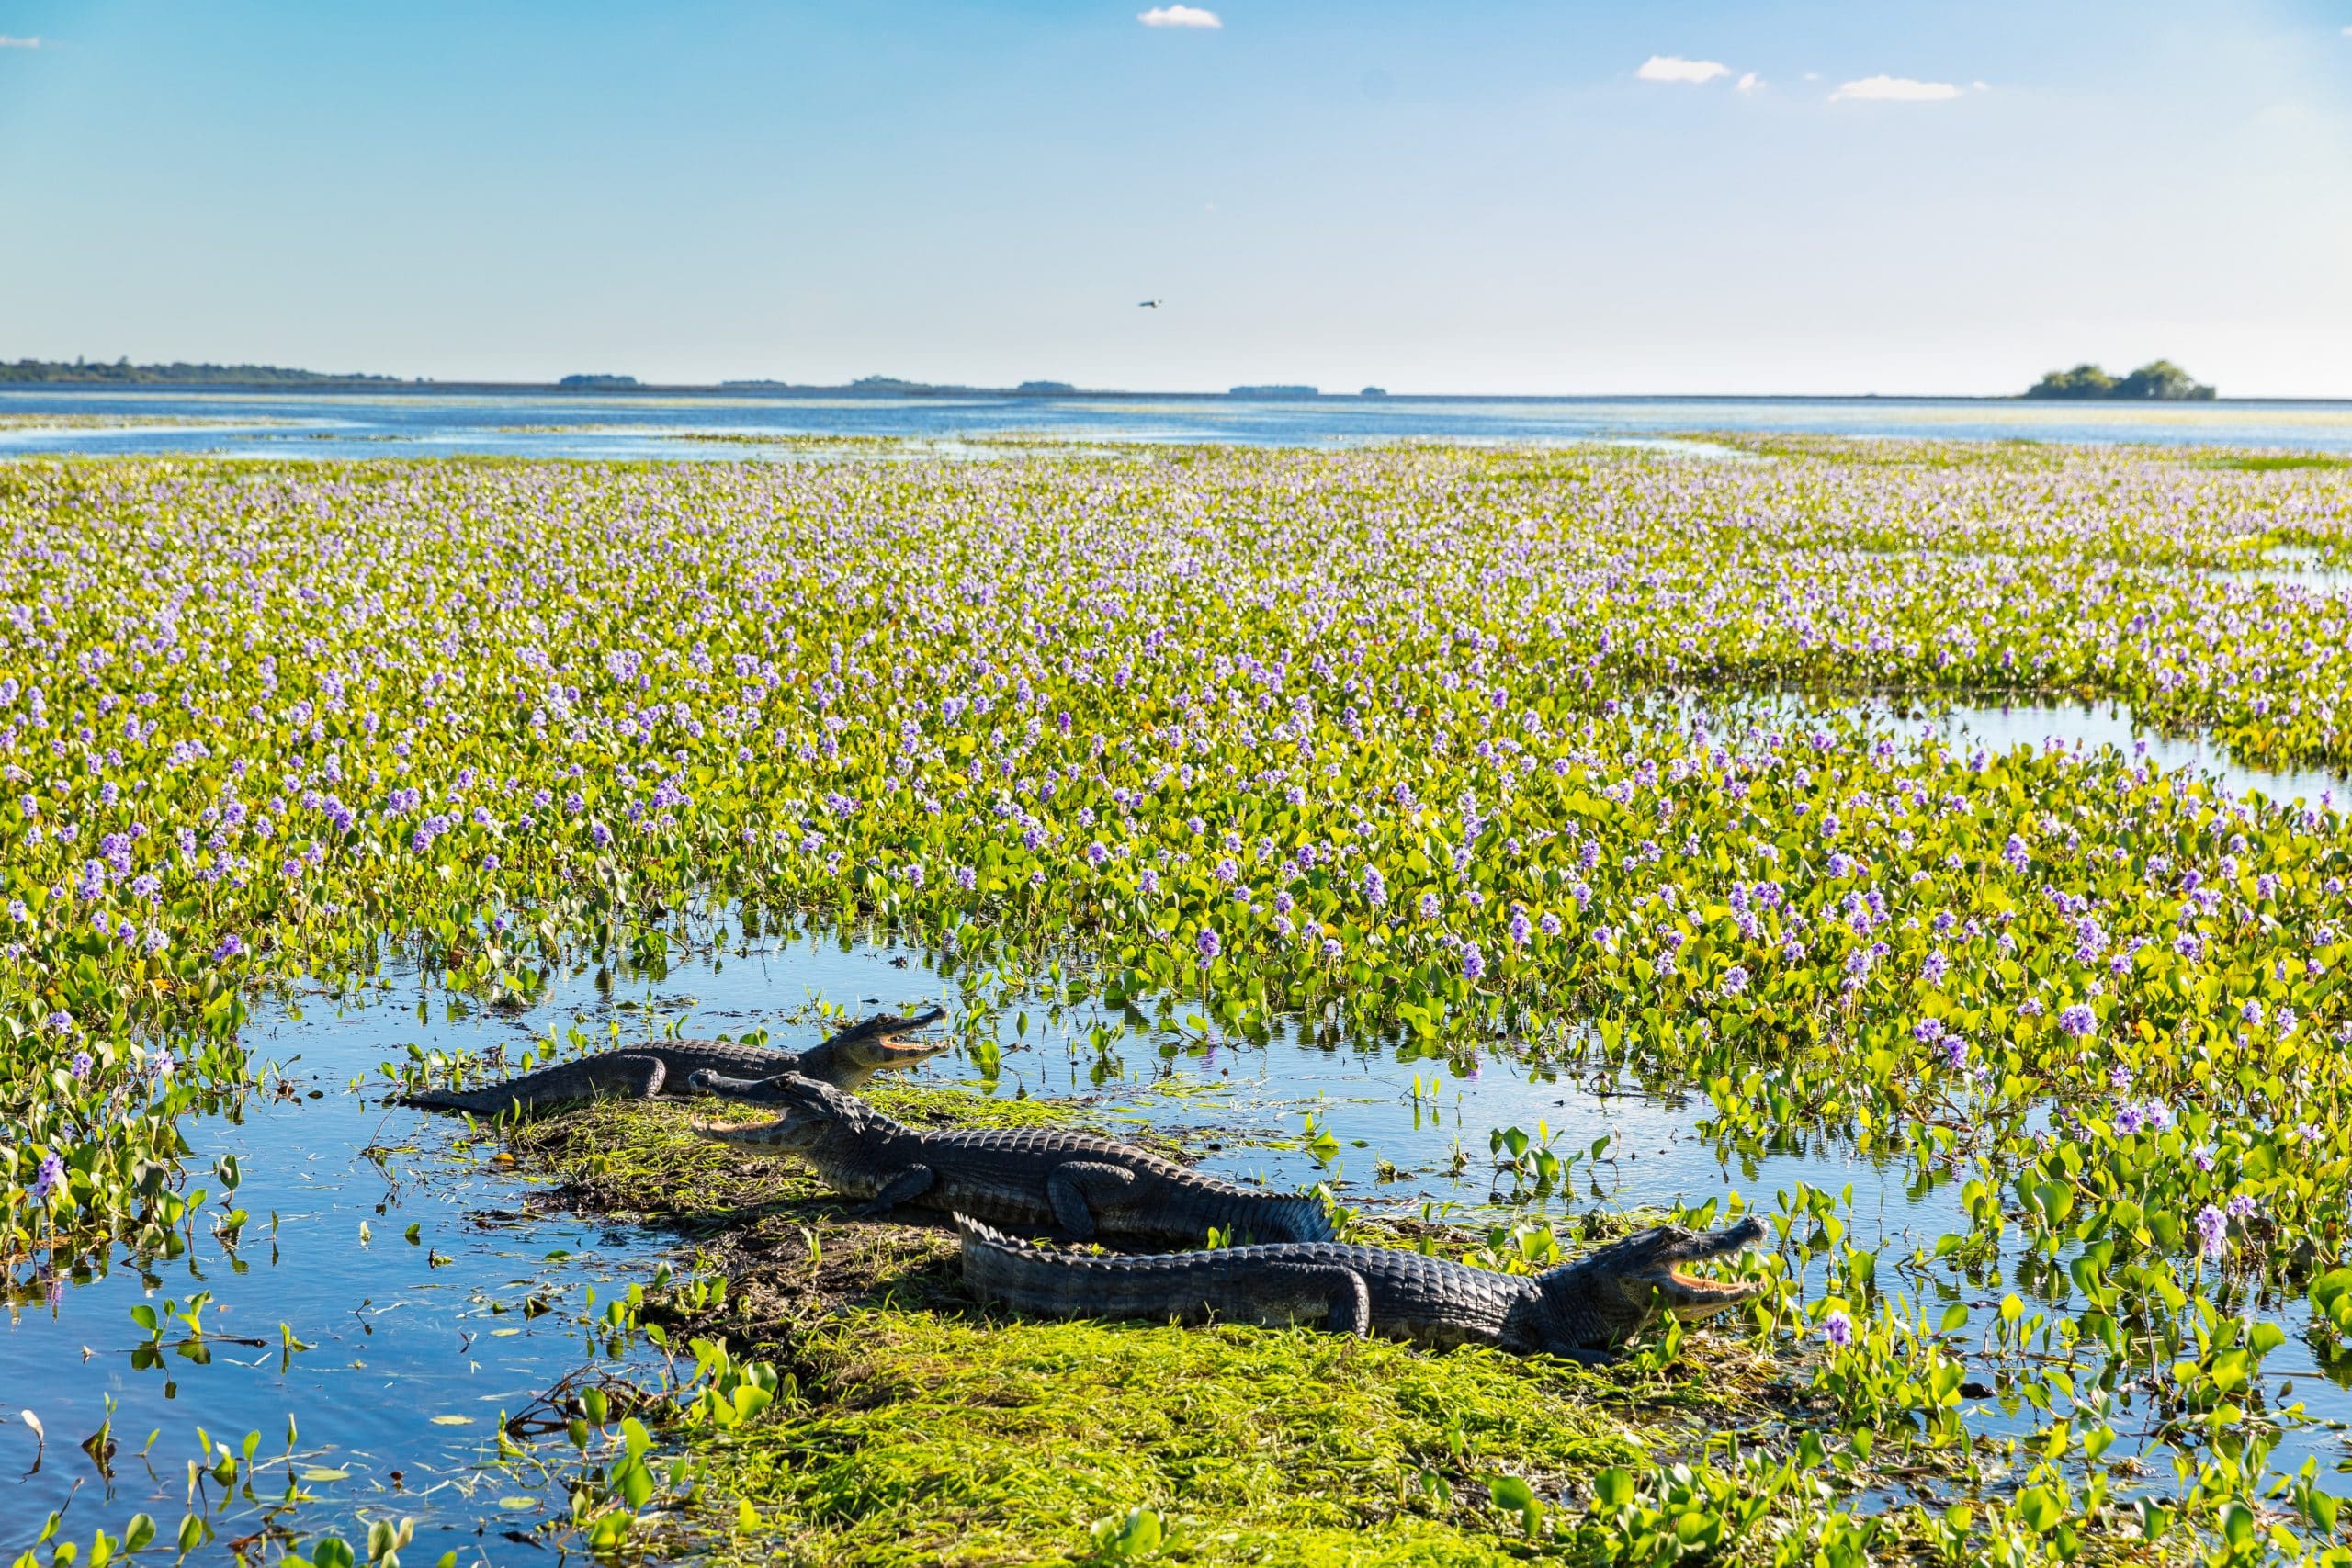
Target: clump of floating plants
{"type": "Point", "coordinates": [1476, 749]}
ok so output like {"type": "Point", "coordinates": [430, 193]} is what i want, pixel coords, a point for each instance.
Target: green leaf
{"type": "Point", "coordinates": [1515, 1496]}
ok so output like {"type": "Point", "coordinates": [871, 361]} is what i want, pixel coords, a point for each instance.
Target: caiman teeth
{"type": "Point", "coordinates": [1704, 1286]}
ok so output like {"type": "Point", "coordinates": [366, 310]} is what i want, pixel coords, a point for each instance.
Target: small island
{"type": "Point", "coordinates": [1374, 393]}
{"type": "Point", "coordinates": [2159, 380]}
{"type": "Point", "coordinates": [597, 383]}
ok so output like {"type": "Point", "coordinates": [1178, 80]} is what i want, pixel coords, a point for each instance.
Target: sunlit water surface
{"type": "Point", "coordinates": [746, 423]}
{"type": "Point", "coordinates": [417, 1346]}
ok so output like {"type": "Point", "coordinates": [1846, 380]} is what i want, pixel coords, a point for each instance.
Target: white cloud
{"type": "Point", "coordinates": [1674, 68]}
{"type": "Point", "coordinates": [1748, 82]}
{"type": "Point", "coordinates": [1179, 16]}
{"type": "Point", "coordinates": [8, 42]}
{"type": "Point", "coordinates": [1895, 90]}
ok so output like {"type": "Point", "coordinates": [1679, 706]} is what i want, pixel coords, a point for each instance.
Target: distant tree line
{"type": "Point", "coordinates": [124, 373]}
{"type": "Point", "coordinates": [2159, 380]}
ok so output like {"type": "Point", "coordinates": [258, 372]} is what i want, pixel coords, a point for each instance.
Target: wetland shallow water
{"type": "Point", "coordinates": [419, 1338]}
{"type": "Point", "coordinates": [655, 424]}
{"type": "Point", "coordinates": [418, 1343]}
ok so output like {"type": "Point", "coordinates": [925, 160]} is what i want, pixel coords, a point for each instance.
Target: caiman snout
{"type": "Point", "coordinates": [1691, 1297]}
{"type": "Point", "coordinates": [759, 1092]}
{"type": "Point", "coordinates": [806, 1107]}
{"type": "Point", "coordinates": [888, 1051]}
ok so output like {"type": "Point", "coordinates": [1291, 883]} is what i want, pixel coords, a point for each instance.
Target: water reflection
{"type": "Point", "coordinates": [408, 1266]}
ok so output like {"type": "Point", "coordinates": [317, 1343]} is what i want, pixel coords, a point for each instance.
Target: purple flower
{"type": "Point", "coordinates": [1210, 944]}
{"type": "Point", "coordinates": [2212, 1231]}
{"type": "Point", "coordinates": [1956, 1052]}
{"type": "Point", "coordinates": [1375, 890]}
{"type": "Point", "coordinates": [1838, 1329]}
{"type": "Point", "coordinates": [51, 1176]}
{"type": "Point", "coordinates": [81, 1067]}
{"type": "Point", "coordinates": [2079, 1021]}
{"type": "Point", "coordinates": [1520, 931]}
{"type": "Point", "coordinates": [230, 945]}
{"type": "Point", "coordinates": [1734, 980]}
{"type": "Point", "coordinates": [1474, 963]}
{"type": "Point", "coordinates": [162, 1063]}
{"type": "Point", "coordinates": [1097, 853]}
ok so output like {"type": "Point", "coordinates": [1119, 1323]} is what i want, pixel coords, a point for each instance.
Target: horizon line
{"type": "Point", "coordinates": [895, 387]}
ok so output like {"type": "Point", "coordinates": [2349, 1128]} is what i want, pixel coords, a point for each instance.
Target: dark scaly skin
{"type": "Point", "coordinates": [1031, 1178]}
{"type": "Point", "coordinates": [667, 1066]}
{"type": "Point", "coordinates": [1583, 1310]}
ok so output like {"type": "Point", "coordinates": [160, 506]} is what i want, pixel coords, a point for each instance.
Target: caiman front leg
{"type": "Point", "coordinates": [1077, 1188]}
{"type": "Point", "coordinates": [1279, 1294]}
{"type": "Point", "coordinates": [903, 1187]}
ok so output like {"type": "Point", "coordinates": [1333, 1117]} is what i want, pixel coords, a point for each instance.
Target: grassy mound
{"type": "Point", "coordinates": [919, 1428]}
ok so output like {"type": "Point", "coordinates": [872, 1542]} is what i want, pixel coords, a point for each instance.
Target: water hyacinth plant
{"type": "Point", "coordinates": [1502, 751]}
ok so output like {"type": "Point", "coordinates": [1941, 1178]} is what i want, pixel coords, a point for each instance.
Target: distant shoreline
{"type": "Point", "coordinates": [1007, 394]}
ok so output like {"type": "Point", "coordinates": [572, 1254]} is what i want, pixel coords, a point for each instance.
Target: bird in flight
{"type": "Point", "coordinates": [1147, 305]}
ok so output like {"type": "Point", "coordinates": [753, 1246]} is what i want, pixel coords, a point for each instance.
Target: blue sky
{"type": "Point", "coordinates": [1506, 197]}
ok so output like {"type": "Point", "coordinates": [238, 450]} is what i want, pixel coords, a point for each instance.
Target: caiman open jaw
{"type": "Point", "coordinates": [1689, 1297]}
{"type": "Point", "coordinates": [1693, 1300]}
{"type": "Point", "coordinates": [890, 1051]}
{"type": "Point", "coordinates": [805, 1105]}
{"type": "Point", "coordinates": [1624, 1284]}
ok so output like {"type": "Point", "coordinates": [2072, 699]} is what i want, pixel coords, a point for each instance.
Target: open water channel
{"type": "Point", "coordinates": [432, 1291]}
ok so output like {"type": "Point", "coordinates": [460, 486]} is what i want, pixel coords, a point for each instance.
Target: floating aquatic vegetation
{"type": "Point", "coordinates": [1404, 740]}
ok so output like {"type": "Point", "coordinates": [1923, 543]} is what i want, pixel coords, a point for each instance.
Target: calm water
{"type": "Point", "coordinates": [661, 425]}
{"type": "Point", "coordinates": [417, 1346]}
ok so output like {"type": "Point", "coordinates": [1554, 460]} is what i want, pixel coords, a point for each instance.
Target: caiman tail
{"type": "Point", "coordinates": [1189, 1287]}
{"type": "Point", "coordinates": [1264, 1217]}
{"type": "Point", "coordinates": [623, 1073]}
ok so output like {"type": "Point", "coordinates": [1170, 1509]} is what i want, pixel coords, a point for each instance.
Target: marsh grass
{"type": "Point", "coordinates": [920, 1428]}
{"type": "Point", "coordinates": [934, 1436]}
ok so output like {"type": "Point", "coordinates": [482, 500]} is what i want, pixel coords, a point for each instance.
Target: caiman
{"type": "Point", "coordinates": [1583, 1310]}
{"type": "Point", "coordinates": [1029, 1179]}
{"type": "Point", "coordinates": [667, 1066]}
